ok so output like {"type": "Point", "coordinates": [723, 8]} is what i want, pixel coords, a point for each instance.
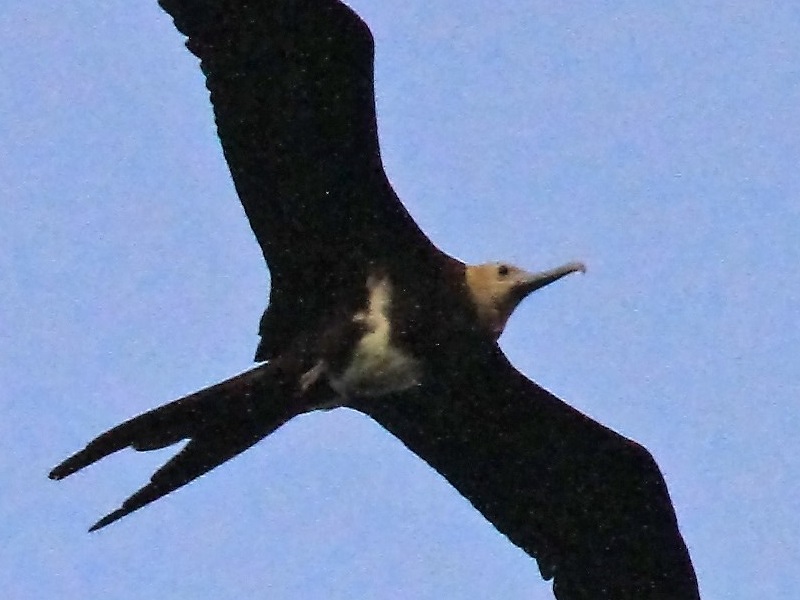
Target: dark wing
{"type": "Point", "coordinates": [291, 83]}
{"type": "Point", "coordinates": [590, 505]}
{"type": "Point", "coordinates": [220, 422]}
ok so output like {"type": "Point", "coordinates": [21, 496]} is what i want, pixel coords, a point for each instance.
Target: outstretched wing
{"type": "Point", "coordinates": [291, 83]}
{"type": "Point", "coordinates": [590, 505]}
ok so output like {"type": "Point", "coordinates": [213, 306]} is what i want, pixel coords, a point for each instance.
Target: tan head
{"type": "Point", "coordinates": [497, 289]}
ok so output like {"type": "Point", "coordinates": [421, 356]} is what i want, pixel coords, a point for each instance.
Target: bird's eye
{"type": "Point", "coordinates": [502, 270]}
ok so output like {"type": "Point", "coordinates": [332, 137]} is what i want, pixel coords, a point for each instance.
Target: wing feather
{"type": "Point", "coordinates": [291, 84]}
{"type": "Point", "coordinates": [590, 505]}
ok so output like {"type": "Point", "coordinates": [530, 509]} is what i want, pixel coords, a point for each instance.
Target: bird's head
{"type": "Point", "coordinates": [497, 288]}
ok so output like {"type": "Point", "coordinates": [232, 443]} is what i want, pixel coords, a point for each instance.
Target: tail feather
{"type": "Point", "coordinates": [198, 457]}
{"type": "Point", "coordinates": [220, 422]}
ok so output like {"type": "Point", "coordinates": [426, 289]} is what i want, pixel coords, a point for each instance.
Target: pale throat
{"type": "Point", "coordinates": [493, 299]}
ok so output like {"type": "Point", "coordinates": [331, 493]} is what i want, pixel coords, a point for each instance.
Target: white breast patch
{"type": "Point", "coordinates": [377, 367]}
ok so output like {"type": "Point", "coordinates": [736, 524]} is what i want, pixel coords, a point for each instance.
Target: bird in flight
{"type": "Point", "coordinates": [366, 312]}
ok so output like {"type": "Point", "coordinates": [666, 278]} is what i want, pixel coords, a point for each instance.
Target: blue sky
{"type": "Point", "coordinates": [658, 142]}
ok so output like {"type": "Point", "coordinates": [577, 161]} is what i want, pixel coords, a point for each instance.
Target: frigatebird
{"type": "Point", "coordinates": [366, 312]}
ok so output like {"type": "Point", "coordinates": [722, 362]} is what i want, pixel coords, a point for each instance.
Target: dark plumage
{"type": "Point", "coordinates": [366, 312]}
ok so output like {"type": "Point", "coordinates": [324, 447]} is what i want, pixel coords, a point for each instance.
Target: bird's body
{"type": "Point", "coordinates": [365, 312]}
{"type": "Point", "coordinates": [378, 363]}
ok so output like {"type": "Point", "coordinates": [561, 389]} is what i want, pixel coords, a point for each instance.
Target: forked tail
{"type": "Point", "coordinates": [220, 422]}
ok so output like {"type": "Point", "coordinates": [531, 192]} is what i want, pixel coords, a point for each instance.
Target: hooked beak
{"type": "Point", "coordinates": [531, 282]}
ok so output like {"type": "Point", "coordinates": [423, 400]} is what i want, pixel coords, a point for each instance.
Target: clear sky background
{"type": "Point", "coordinates": [659, 142]}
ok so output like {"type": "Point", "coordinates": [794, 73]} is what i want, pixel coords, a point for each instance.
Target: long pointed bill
{"type": "Point", "coordinates": [533, 281]}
